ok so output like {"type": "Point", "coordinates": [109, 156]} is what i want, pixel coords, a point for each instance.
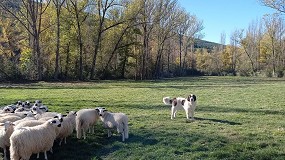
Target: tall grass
{"type": "Point", "coordinates": [236, 117]}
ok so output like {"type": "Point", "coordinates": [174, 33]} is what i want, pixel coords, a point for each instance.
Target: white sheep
{"type": "Point", "coordinates": [19, 114]}
{"type": "Point", "coordinates": [85, 119]}
{"type": "Point", "coordinates": [5, 134]}
{"type": "Point", "coordinates": [7, 109]}
{"type": "Point", "coordinates": [22, 109]}
{"type": "Point", "coordinates": [28, 123]}
{"type": "Point", "coordinates": [27, 104]}
{"type": "Point", "coordinates": [67, 126]}
{"type": "Point", "coordinates": [39, 109]}
{"type": "Point", "coordinates": [28, 140]}
{"type": "Point", "coordinates": [29, 116]}
{"type": "Point", "coordinates": [11, 118]}
{"type": "Point", "coordinates": [118, 121]}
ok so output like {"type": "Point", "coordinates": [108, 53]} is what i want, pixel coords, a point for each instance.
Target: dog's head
{"type": "Point", "coordinates": [191, 98]}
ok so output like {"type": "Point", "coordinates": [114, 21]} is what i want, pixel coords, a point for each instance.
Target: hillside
{"type": "Point", "coordinates": [205, 44]}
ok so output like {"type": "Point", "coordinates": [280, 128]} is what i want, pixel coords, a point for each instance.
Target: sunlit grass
{"type": "Point", "coordinates": [236, 117]}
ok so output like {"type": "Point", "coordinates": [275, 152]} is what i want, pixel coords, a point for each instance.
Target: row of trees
{"type": "Point", "coordinates": [257, 50]}
{"type": "Point", "coordinates": [139, 39]}
{"type": "Point", "coordinates": [90, 39]}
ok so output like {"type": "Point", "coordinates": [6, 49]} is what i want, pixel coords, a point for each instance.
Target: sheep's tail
{"type": "Point", "coordinates": [167, 100]}
{"type": "Point", "coordinates": [78, 128]}
{"type": "Point", "coordinates": [126, 129]}
{"type": "Point", "coordinates": [14, 150]}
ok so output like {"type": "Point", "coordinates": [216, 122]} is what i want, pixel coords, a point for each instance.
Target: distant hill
{"type": "Point", "coordinates": [205, 44]}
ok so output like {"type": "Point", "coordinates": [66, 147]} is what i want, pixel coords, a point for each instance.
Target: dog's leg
{"type": "Point", "coordinates": [187, 113]}
{"type": "Point", "coordinates": [173, 112]}
{"type": "Point", "coordinates": [192, 114]}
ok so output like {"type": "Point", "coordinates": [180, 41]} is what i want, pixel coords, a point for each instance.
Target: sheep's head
{"type": "Point", "coordinates": [27, 103]}
{"type": "Point", "coordinates": [71, 113]}
{"type": "Point", "coordinates": [59, 117]}
{"type": "Point", "coordinates": [55, 122]}
{"type": "Point", "coordinates": [19, 103]}
{"type": "Point", "coordinates": [20, 109]}
{"type": "Point", "coordinates": [35, 109]}
{"type": "Point", "coordinates": [7, 125]}
{"type": "Point", "coordinates": [8, 109]}
{"type": "Point", "coordinates": [101, 111]}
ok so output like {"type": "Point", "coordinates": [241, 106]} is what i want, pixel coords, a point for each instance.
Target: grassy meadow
{"type": "Point", "coordinates": [236, 117]}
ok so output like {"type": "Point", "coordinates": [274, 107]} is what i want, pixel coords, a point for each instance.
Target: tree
{"type": "Point", "coordinates": [58, 5]}
{"type": "Point", "coordinates": [279, 5]}
{"type": "Point", "coordinates": [30, 17]}
{"type": "Point", "coordinates": [77, 9]}
{"type": "Point", "coordinates": [102, 9]}
{"type": "Point", "coordinates": [275, 30]}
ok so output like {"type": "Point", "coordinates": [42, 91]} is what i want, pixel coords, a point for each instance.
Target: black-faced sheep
{"type": "Point", "coordinates": [28, 140]}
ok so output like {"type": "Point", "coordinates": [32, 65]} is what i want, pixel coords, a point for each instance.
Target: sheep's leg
{"type": "Point", "coordinates": [38, 155]}
{"type": "Point", "coordinates": [45, 155]}
{"type": "Point", "coordinates": [79, 131]}
{"type": "Point", "coordinates": [60, 142]}
{"type": "Point", "coordinates": [84, 134]}
{"type": "Point", "coordinates": [123, 136]}
{"type": "Point", "coordinates": [5, 153]}
{"type": "Point", "coordinates": [109, 132]}
{"type": "Point", "coordinates": [65, 140]}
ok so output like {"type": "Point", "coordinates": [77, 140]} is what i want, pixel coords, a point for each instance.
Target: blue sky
{"type": "Point", "coordinates": [225, 16]}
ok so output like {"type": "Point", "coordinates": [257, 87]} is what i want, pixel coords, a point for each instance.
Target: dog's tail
{"type": "Point", "coordinates": [167, 100]}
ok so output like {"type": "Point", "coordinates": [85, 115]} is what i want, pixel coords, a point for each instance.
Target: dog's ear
{"type": "Point", "coordinates": [182, 102]}
{"type": "Point", "coordinates": [194, 97]}
{"type": "Point", "coordinates": [188, 98]}
{"type": "Point", "coordinates": [174, 101]}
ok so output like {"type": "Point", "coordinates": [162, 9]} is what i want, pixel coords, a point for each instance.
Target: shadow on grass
{"type": "Point", "coordinates": [218, 120]}
{"type": "Point", "coordinates": [216, 109]}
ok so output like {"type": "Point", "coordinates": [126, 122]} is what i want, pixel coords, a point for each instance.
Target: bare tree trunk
{"type": "Point", "coordinates": [58, 4]}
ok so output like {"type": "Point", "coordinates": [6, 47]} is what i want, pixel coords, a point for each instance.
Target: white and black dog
{"type": "Point", "coordinates": [188, 104]}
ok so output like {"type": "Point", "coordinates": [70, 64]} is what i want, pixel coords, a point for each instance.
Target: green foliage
{"type": "Point", "coordinates": [130, 39]}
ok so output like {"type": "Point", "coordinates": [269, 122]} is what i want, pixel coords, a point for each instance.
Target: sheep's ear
{"type": "Point", "coordinates": [105, 110]}
{"type": "Point", "coordinates": [2, 124]}
{"type": "Point", "coordinates": [97, 109]}
{"type": "Point", "coordinates": [53, 121]}
{"type": "Point", "coordinates": [55, 117]}
{"type": "Point", "coordinates": [64, 115]}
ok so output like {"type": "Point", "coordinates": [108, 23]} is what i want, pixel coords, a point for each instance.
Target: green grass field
{"type": "Point", "coordinates": [236, 117]}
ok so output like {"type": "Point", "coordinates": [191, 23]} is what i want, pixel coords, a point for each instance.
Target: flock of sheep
{"type": "Point", "coordinates": [28, 128]}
